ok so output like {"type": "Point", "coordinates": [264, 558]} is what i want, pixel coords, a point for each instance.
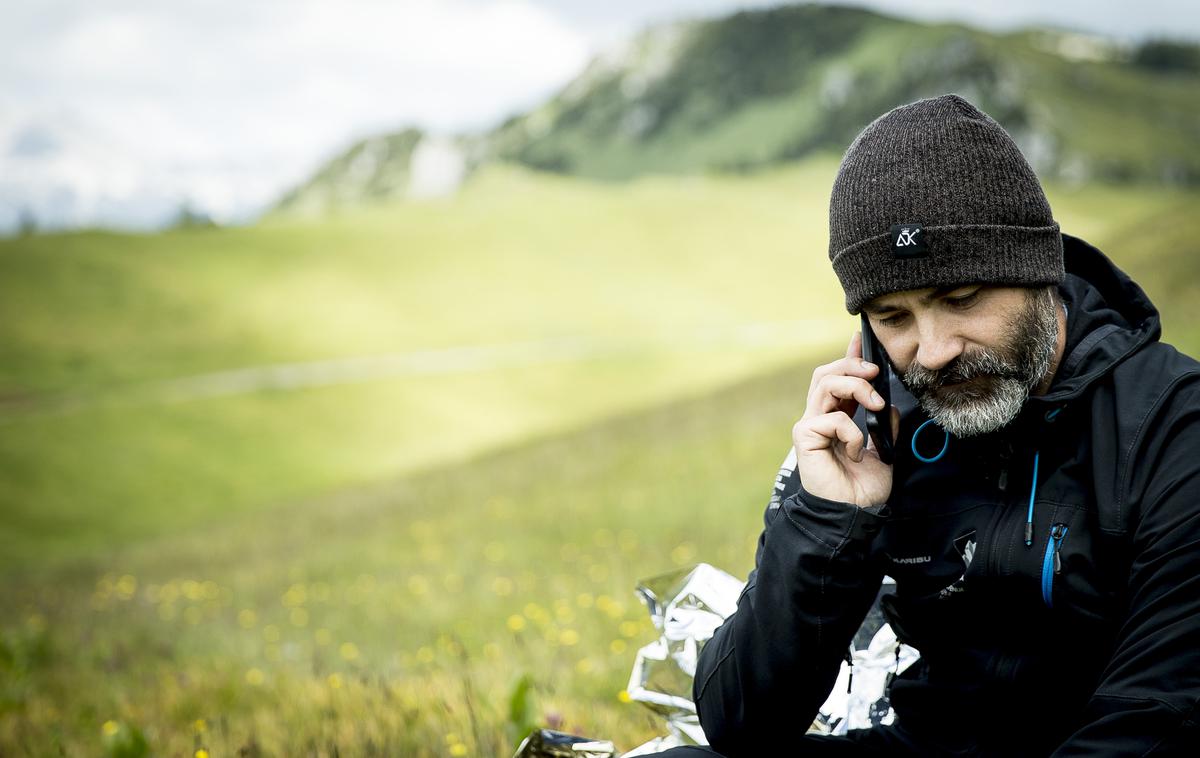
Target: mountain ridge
{"type": "Point", "coordinates": [758, 88]}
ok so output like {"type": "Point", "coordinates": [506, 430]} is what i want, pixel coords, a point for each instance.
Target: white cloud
{"type": "Point", "coordinates": [226, 103]}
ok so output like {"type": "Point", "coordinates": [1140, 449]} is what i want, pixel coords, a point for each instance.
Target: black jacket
{"type": "Point", "coordinates": [1085, 641]}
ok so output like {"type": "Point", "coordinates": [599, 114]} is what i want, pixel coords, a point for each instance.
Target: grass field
{"type": "Point", "coordinates": [578, 300]}
{"type": "Point", "coordinates": [567, 387]}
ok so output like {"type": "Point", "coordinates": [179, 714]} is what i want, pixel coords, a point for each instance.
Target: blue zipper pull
{"type": "Point", "coordinates": [1052, 563]}
{"type": "Point", "coordinates": [1057, 532]}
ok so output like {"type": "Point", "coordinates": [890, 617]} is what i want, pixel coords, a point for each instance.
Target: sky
{"type": "Point", "coordinates": [119, 112]}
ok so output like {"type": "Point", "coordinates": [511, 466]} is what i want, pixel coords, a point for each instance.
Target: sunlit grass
{"type": "Point", "coordinates": [592, 299]}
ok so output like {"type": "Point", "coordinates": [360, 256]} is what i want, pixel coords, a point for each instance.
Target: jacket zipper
{"type": "Point", "coordinates": [1003, 456]}
{"type": "Point", "coordinates": [1052, 563]}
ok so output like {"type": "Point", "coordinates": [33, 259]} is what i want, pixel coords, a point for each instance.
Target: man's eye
{"type": "Point", "coordinates": [893, 320]}
{"type": "Point", "coordinates": [963, 301]}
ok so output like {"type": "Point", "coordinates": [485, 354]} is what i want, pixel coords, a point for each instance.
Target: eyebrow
{"type": "Point", "coordinates": [925, 299]}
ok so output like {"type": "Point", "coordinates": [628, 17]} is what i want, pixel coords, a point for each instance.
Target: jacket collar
{"type": "Point", "coordinates": [1109, 317]}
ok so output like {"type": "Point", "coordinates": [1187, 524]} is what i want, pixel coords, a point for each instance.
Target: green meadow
{"type": "Point", "coordinates": [382, 483]}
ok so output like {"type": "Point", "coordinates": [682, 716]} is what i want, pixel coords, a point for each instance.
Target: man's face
{"type": "Point", "coordinates": [970, 354]}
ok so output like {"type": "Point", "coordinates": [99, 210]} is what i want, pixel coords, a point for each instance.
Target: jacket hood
{"type": "Point", "coordinates": [1109, 317]}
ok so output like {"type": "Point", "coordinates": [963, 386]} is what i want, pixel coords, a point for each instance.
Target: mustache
{"type": "Point", "coordinates": [980, 363]}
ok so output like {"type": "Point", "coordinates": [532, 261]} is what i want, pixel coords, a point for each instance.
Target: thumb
{"type": "Point", "coordinates": [895, 426]}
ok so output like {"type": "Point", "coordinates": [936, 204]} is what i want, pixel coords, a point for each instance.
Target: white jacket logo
{"type": "Point", "coordinates": [966, 548]}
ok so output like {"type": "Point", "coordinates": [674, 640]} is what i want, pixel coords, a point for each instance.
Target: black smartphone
{"type": "Point", "coordinates": [879, 423]}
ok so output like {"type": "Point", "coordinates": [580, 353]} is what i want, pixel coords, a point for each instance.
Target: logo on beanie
{"type": "Point", "coordinates": [908, 241]}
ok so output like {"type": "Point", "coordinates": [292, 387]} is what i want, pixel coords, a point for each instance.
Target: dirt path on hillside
{"type": "Point", "coordinates": [442, 361]}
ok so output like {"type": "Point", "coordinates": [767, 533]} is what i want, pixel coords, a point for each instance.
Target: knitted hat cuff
{"type": "Point", "coordinates": [937, 194]}
{"type": "Point", "coordinates": [957, 255]}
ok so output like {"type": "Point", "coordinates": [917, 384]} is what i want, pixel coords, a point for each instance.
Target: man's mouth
{"type": "Point", "coordinates": [971, 387]}
{"type": "Point", "coordinates": [956, 382]}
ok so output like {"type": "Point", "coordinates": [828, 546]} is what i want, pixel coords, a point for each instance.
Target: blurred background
{"type": "Point", "coordinates": [357, 359]}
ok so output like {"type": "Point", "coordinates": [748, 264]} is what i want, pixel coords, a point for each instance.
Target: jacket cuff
{"type": "Point", "coordinates": [844, 521]}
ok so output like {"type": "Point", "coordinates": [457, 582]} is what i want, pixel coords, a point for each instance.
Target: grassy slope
{"type": "Point", "coordinates": [397, 616]}
{"type": "Point", "coordinates": [491, 264]}
{"type": "Point", "coordinates": [652, 274]}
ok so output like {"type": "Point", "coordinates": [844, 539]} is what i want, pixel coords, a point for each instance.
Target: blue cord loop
{"type": "Point", "coordinates": [923, 458]}
{"type": "Point", "coordinates": [1037, 457]}
{"type": "Point", "coordinates": [1032, 495]}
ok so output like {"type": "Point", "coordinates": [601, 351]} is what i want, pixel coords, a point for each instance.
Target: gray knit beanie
{"type": "Point", "coordinates": [936, 194]}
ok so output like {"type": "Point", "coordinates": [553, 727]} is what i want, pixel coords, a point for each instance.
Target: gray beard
{"type": "Point", "coordinates": [1000, 379]}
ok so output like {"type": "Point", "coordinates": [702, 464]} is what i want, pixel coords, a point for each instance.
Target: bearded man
{"type": "Point", "coordinates": [1041, 516]}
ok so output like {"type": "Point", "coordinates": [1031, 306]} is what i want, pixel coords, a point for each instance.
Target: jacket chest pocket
{"type": "Point", "coordinates": [1050, 559]}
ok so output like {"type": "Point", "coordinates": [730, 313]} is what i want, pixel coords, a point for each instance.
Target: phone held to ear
{"type": "Point", "coordinates": [879, 423]}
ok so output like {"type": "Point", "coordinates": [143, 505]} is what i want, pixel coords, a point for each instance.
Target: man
{"type": "Point", "coordinates": [1042, 515]}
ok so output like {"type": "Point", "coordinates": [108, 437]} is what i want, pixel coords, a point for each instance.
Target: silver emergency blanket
{"type": "Point", "coordinates": [859, 698]}
{"type": "Point", "coordinates": [686, 607]}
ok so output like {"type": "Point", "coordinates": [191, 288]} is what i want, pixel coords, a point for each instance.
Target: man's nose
{"type": "Point", "coordinates": [937, 347]}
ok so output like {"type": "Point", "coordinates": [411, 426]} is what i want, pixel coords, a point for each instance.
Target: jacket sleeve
{"type": "Point", "coordinates": [767, 669]}
{"type": "Point", "coordinates": [1146, 702]}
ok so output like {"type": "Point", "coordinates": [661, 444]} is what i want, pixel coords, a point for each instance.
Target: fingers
{"type": "Point", "coordinates": [825, 431]}
{"type": "Point", "coordinates": [854, 349]}
{"type": "Point", "coordinates": [837, 389]}
{"type": "Point", "coordinates": [837, 392]}
{"type": "Point", "coordinates": [895, 427]}
{"type": "Point", "coordinates": [849, 366]}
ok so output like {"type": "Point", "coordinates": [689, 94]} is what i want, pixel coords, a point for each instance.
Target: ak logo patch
{"type": "Point", "coordinates": [908, 241]}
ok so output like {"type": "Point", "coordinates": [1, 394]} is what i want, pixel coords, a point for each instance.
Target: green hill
{"type": "Point", "coordinates": [761, 87]}
{"type": "Point", "coordinates": [370, 170]}
{"type": "Point", "coordinates": [764, 87]}
{"type": "Point", "coordinates": [153, 383]}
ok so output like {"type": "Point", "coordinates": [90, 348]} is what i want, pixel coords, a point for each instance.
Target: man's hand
{"type": "Point", "coordinates": [834, 458]}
